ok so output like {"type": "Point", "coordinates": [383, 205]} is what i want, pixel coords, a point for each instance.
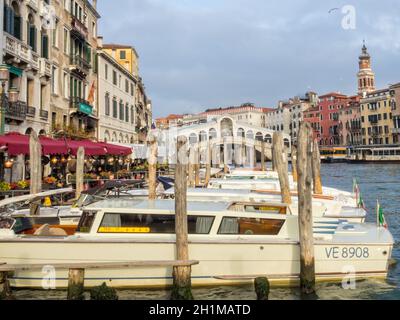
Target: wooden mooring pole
{"type": "Point", "coordinates": [76, 279]}
{"type": "Point", "coordinates": [152, 144]}
{"type": "Point", "coordinates": [316, 168]}
{"type": "Point", "coordinates": [281, 166]}
{"type": "Point", "coordinates": [263, 167]}
{"type": "Point", "coordinates": [35, 162]}
{"type": "Point", "coordinates": [80, 166]}
{"type": "Point", "coordinates": [208, 164]}
{"type": "Point", "coordinates": [304, 185]}
{"type": "Point", "coordinates": [181, 289]}
{"type": "Point", "coordinates": [294, 164]}
{"type": "Point", "coordinates": [191, 168]}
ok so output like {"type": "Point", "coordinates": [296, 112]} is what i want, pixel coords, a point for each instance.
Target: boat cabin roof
{"type": "Point", "coordinates": [167, 205]}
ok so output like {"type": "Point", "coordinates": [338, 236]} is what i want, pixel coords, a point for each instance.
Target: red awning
{"type": "Point", "coordinates": [116, 150]}
{"type": "Point", "coordinates": [91, 148]}
{"type": "Point", "coordinates": [17, 143]}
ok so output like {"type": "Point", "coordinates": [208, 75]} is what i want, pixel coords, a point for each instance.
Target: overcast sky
{"type": "Point", "coordinates": [198, 54]}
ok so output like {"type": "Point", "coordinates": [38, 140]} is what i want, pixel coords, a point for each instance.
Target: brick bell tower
{"type": "Point", "coordinates": [366, 78]}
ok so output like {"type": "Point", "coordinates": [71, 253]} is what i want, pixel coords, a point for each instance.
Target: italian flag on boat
{"type": "Point", "coordinates": [359, 199]}
{"type": "Point", "coordinates": [381, 221]}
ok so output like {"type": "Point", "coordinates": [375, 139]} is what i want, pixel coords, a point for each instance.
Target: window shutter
{"type": "Point", "coordinates": [34, 31]}
{"type": "Point", "coordinates": [45, 46]}
{"type": "Point", "coordinates": [11, 21]}
{"type": "Point", "coordinates": [17, 27]}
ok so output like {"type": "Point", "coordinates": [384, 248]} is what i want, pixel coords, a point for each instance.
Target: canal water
{"type": "Point", "coordinates": [377, 181]}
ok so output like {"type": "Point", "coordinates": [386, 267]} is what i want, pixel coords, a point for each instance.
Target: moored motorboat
{"type": "Point", "coordinates": [233, 242]}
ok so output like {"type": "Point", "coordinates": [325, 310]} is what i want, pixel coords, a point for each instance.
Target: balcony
{"type": "Point", "coordinates": [20, 51]}
{"type": "Point", "coordinates": [44, 114]}
{"type": "Point", "coordinates": [396, 130]}
{"type": "Point", "coordinates": [44, 67]}
{"type": "Point", "coordinates": [79, 65]}
{"type": "Point", "coordinates": [15, 111]}
{"type": "Point", "coordinates": [31, 112]}
{"type": "Point", "coordinates": [82, 106]}
{"type": "Point", "coordinates": [79, 29]}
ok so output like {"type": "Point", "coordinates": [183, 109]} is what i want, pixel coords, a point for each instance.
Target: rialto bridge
{"type": "Point", "coordinates": [231, 141]}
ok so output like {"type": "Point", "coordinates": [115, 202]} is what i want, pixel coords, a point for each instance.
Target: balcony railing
{"type": "Point", "coordinates": [44, 114]}
{"type": "Point", "coordinates": [396, 130]}
{"type": "Point", "coordinates": [31, 112]}
{"type": "Point", "coordinates": [18, 49]}
{"type": "Point", "coordinates": [79, 28]}
{"type": "Point", "coordinates": [77, 62]}
{"type": "Point", "coordinates": [81, 105]}
{"type": "Point", "coordinates": [15, 110]}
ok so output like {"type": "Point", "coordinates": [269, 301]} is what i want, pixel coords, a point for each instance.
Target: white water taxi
{"type": "Point", "coordinates": [233, 242]}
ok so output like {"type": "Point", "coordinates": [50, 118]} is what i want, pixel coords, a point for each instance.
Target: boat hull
{"type": "Point", "coordinates": [222, 263]}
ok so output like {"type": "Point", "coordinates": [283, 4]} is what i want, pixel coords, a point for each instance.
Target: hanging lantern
{"type": "Point", "coordinates": [110, 160]}
{"type": "Point", "coordinates": [13, 95]}
{"type": "Point", "coordinates": [63, 160]}
{"type": "Point", "coordinates": [4, 73]}
{"type": "Point", "coordinates": [54, 160]}
{"type": "Point", "coordinates": [8, 164]}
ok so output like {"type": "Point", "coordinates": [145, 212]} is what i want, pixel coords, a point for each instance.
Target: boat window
{"type": "Point", "coordinates": [7, 223]}
{"type": "Point", "coordinates": [148, 223]}
{"type": "Point", "coordinates": [250, 226]}
{"type": "Point", "coordinates": [86, 222]}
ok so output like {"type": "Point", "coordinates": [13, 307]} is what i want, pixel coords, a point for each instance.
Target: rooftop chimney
{"type": "Point", "coordinates": [95, 4]}
{"type": "Point", "coordinates": [100, 42]}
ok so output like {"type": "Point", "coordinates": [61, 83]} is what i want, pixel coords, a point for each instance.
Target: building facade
{"type": "Point", "coordinates": [395, 109]}
{"type": "Point", "coordinates": [126, 56]}
{"type": "Point", "coordinates": [365, 76]}
{"type": "Point", "coordinates": [350, 123]}
{"type": "Point", "coordinates": [376, 117]}
{"type": "Point", "coordinates": [25, 51]}
{"type": "Point", "coordinates": [116, 101]}
{"type": "Point", "coordinates": [169, 121]}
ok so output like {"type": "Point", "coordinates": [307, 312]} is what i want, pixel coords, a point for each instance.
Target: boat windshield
{"type": "Point", "coordinates": [86, 222]}
{"type": "Point", "coordinates": [83, 200]}
{"type": "Point", "coordinates": [7, 223]}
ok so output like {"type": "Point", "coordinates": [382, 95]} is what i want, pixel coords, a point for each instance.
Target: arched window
{"type": "Point", "coordinates": [29, 131]}
{"type": "Point", "coordinates": [106, 136]}
{"type": "Point", "coordinates": [12, 20]}
{"type": "Point", "coordinates": [203, 136]}
{"type": "Point", "coordinates": [121, 138]}
{"type": "Point", "coordinates": [212, 133]}
{"type": "Point", "coordinates": [226, 127]}
{"type": "Point", "coordinates": [259, 136]}
{"type": "Point", "coordinates": [268, 138]}
{"type": "Point", "coordinates": [114, 137]}
{"type": "Point", "coordinates": [45, 44]}
{"type": "Point", "coordinates": [193, 138]}
{"type": "Point", "coordinates": [42, 132]}
{"type": "Point", "coordinates": [241, 133]}
{"type": "Point", "coordinates": [250, 134]}
{"type": "Point", "coordinates": [286, 143]}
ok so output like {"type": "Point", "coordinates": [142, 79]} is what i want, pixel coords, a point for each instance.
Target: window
{"type": "Point", "coordinates": [132, 90]}
{"type": "Point", "coordinates": [66, 41]}
{"type": "Point", "coordinates": [127, 113]}
{"type": "Point", "coordinates": [55, 34]}
{"type": "Point", "coordinates": [45, 46]}
{"type": "Point", "coordinates": [115, 108]}
{"type": "Point", "coordinates": [94, 31]}
{"type": "Point", "coordinates": [122, 54]}
{"type": "Point", "coordinates": [86, 222]}
{"type": "Point", "coordinates": [115, 78]}
{"type": "Point", "coordinates": [161, 224]}
{"type": "Point", "coordinates": [32, 33]}
{"type": "Point", "coordinates": [107, 104]}
{"type": "Point", "coordinates": [65, 85]}
{"type": "Point", "coordinates": [54, 80]}
{"type": "Point", "coordinates": [121, 110]}
{"type": "Point", "coordinates": [106, 71]}
{"type": "Point", "coordinates": [250, 226]}
{"type": "Point", "coordinates": [126, 86]}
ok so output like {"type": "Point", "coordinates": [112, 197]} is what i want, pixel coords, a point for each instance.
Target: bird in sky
{"type": "Point", "coordinates": [332, 10]}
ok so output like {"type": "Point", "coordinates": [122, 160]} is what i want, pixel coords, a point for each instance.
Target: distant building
{"type": "Point", "coordinates": [126, 56]}
{"type": "Point", "coordinates": [376, 117]}
{"type": "Point", "coordinates": [246, 113]}
{"type": "Point", "coordinates": [350, 123]}
{"type": "Point", "coordinates": [169, 121]}
{"type": "Point", "coordinates": [395, 109]}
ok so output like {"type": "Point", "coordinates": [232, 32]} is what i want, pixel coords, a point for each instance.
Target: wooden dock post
{"type": "Point", "coordinates": [294, 164]}
{"type": "Point", "coordinates": [304, 185]}
{"type": "Point", "coordinates": [182, 282]}
{"type": "Point", "coordinates": [208, 164]}
{"type": "Point", "coordinates": [316, 168]}
{"type": "Point", "coordinates": [80, 166]}
{"type": "Point", "coordinates": [263, 167]}
{"type": "Point", "coordinates": [152, 144]}
{"type": "Point", "coordinates": [76, 279]}
{"type": "Point", "coordinates": [35, 162]}
{"type": "Point", "coordinates": [281, 165]}
{"type": "Point", "coordinates": [191, 168]}
{"type": "Point", "coordinates": [261, 286]}
{"type": "Point", "coordinates": [197, 166]}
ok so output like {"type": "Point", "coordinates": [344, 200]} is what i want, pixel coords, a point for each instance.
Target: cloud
{"type": "Point", "coordinates": [200, 54]}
